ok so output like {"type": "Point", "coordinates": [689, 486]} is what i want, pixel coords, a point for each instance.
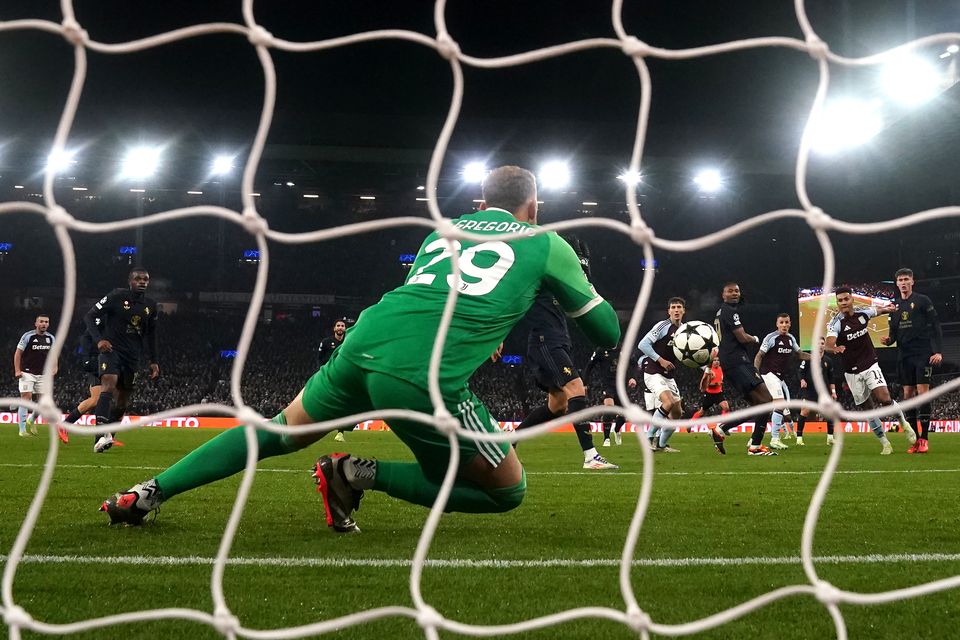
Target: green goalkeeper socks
{"type": "Point", "coordinates": [221, 457]}
{"type": "Point", "coordinates": [406, 481]}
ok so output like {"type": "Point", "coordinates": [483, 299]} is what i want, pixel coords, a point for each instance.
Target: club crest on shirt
{"type": "Point", "coordinates": [863, 320]}
{"type": "Point", "coordinates": [905, 315]}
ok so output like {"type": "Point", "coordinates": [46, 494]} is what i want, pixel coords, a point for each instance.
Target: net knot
{"type": "Point", "coordinates": [49, 410]}
{"type": "Point", "coordinates": [16, 617]}
{"type": "Point", "coordinates": [445, 229]}
{"type": "Point", "coordinates": [260, 37]}
{"type": "Point", "coordinates": [818, 220]}
{"type": "Point", "coordinates": [254, 223]}
{"type": "Point", "coordinates": [226, 624]}
{"type": "Point", "coordinates": [58, 217]}
{"type": "Point", "coordinates": [827, 593]}
{"type": "Point", "coordinates": [447, 47]}
{"type": "Point", "coordinates": [74, 33]}
{"type": "Point", "coordinates": [641, 233]}
{"type": "Point", "coordinates": [633, 415]}
{"type": "Point", "coordinates": [246, 415]}
{"type": "Point", "coordinates": [829, 407]}
{"type": "Point", "coordinates": [817, 48]}
{"type": "Point", "coordinates": [445, 423]}
{"type": "Point", "coordinates": [429, 618]}
{"type": "Point", "coordinates": [638, 620]}
{"type": "Point", "coordinates": [635, 47]}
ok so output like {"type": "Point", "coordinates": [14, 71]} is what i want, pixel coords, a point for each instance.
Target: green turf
{"type": "Point", "coordinates": [580, 516]}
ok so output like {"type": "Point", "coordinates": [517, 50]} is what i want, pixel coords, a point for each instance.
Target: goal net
{"type": "Point", "coordinates": [445, 45]}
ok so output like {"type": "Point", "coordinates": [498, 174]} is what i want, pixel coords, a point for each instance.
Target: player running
{"type": "Point", "coordinates": [660, 367]}
{"type": "Point", "coordinates": [809, 392]}
{"type": "Point", "coordinates": [915, 326]}
{"type": "Point", "coordinates": [125, 332]}
{"type": "Point", "coordinates": [739, 371]}
{"type": "Point", "coordinates": [383, 364]}
{"type": "Point", "coordinates": [711, 385]}
{"type": "Point", "coordinates": [849, 335]}
{"type": "Point", "coordinates": [606, 361]}
{"type": "Point", "coordinates": [773, 361]}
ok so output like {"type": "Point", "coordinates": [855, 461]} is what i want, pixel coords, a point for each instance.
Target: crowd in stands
{"type": "Point", "coordinates": [196, 362]}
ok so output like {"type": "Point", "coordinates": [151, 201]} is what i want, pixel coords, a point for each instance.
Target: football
{"type": "Point", "coordinates": [694, 342]}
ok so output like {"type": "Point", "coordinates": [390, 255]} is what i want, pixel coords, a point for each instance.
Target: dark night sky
{"type": "Point", "coordinates": [743, 109]}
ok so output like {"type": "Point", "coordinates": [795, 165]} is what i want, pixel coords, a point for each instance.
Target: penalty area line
{"type": "Point", "coordinates": [463, 563]}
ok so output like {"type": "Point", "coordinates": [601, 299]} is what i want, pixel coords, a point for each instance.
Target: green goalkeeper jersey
{"type": "Point", "coordinates": [498, 284]}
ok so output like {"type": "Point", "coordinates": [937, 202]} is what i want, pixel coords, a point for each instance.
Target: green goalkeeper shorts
{"type": "Point", "coordinates": [341, 388]}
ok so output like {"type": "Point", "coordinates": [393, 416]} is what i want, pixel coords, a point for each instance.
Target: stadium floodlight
{"type": "Point", "coordinates": [60, 161]}
{"type": "Point", "coordinates": [554, 175]}
{"type": "Point", "coordinates": [474, 172]}
{"type": "Point", "coordinates": [630, 178]}
{"type": "Point", "coordinates": [910, 80]}
{"type": "Point", "coordinates": [221, 165]}
{"type": "Point", "coordinates": [708, 180]}
{"type": "Point", "coordinates": [845, 124]}
{"type": "Point", "coordinates": [140, 162]}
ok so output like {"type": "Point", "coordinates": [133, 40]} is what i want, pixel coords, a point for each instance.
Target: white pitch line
{"type": "Point", "coordinates": [463, 563]}
{"type": "Point", "coordinates": [605, 474]}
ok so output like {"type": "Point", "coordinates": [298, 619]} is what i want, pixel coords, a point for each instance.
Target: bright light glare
{"type": "Point", "coordinates": [910, 80]}
{"type": "Point", "coordinates": [474, 172]}
{"type": "Point", "coordinates": [953, 48]}
{"type": "Point", "coordinates": [845, 124]}
{"type": "Point", "coordinates": [140, 162]}
{"type": "Point", "coordinates": [222, 165]}
{"type": "Point", "coordinates": [58, 162]}
{"type": "Point", "coordinates": [709, 180]}
{"type": "Point", "coordinates": [554, 175]}
{"type": "Point", "coordinates": [630, 178]}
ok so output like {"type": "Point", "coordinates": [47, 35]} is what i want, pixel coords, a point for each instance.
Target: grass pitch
{"type": "Point", "coordinates": [720, 531]}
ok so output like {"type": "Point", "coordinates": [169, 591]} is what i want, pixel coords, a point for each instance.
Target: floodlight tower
{"type": "Point", "coordinates": [139, 165]}
{"type": "Point", "coordinates": [221, 166]}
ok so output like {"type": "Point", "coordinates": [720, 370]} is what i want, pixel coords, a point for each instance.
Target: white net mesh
{"type": "Point", "coordinates": [631, 615]}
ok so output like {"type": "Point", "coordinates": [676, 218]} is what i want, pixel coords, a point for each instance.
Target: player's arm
{"type": "Point", "coordinates": [705, 380]}
{"type": "Point", "coordinates": [99, 310]}
{"type": "Point", "coordinates": [150, 343]}
{"type": "Point", "coordinates": [764, 347]}
{"type": "Point", "coordinates": [830, 380]}
{"type": "Point", "coordinates": [564, 278]}
{"type": "Point", "coordinates": [894, 330]}
{"type": "Point", "coordinates": [590, 365]}
{"type": "Point", "coordinates": [934, 321]}
{"type": "Point", "coordinates": [833, 330]}
{"type": "Point", "coordinates": [803, 355]}
{"type": "Point", "coordinates": [658, 332]}
{"type": "Point", "coordinates": [56, 365]}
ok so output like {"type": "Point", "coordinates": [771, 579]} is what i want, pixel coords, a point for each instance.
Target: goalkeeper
{"type": "Point", "coordinates": [383, 361]}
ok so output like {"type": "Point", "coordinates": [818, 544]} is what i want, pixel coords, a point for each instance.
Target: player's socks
{"type": "Point", "coordinates": [759, 428]}
{"type": "Point", "coordinates": [777, 419]}
{"type": "Point", "coordinates": [830, 426]}
{"type": "Point", "coordinates": [582, 429]}
{"type": "Point", "coordinates": [665, 434]}
{"type": "Point", "coordinates": [697, 414]}
{"type": "Point", "coordinates": [877, 427]}
{"type": "Point", "coordinates": [102, 412]}
{"type": "Point", "coordinates": [22, 418]}
{"type": "Point", "coordinates": [406, 481]}
{"type": "Point", "coordinates": [73, 416]}
{"type": "Point", "coordinates": [801, 422]}
{"type": "Point", "coordinates": [607, 426]}
{"type": "Point", "coordinates": [923, 421]}
{"type": "Point", "coordinates": [222, 457]}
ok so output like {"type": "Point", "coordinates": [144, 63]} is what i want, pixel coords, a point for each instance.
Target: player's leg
{"type": "Point", "coordinates": [801, 423]}
{"type": "Point", "coordinates": [775, 389]}
{"type": "Point", "coordinates": [787, 415]}
{"type": "Point", "coordinates": [540, 363]}
{"type": "Point", "coordinates": [758, 393]}
{"type": "Point", "coordinates": [618, 425]}
{"type": "Point", "coordinates": [335, 390]}
{"type": "Point", "coordinates": [924, 373]}
{"type": "Point", "coordinates": [670, 408]}
{"type": "Point", "coordinates": [22, 411]}
{"type": "Point", "coordinates": [490, 478]}
{"type": "Point", "coordinates": [607, 426]}
{"type": "Point", "coordinates": [577, 401]}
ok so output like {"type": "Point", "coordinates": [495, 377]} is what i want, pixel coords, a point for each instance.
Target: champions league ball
{"type": "Point", "coordinates": [694, 342]}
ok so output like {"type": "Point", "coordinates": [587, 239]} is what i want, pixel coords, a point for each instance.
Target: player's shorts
{"type": "Point", "coordinates": [342, 388]}
{"type": "Point", "coordinates": [90, 376]}
{"type": "Point", "coordinates": [743, 377]}
{"type": "Point", "coordinates": [608, 388]}
{"type": "Point", "coordinates": [650, 401]}
{"type": "Point", "coordinates": [862, 383]}
{"type": "Point", "coordinates": [774, 385]}
{"type": "Point", "coordinates": [658, 383]}
{"type": "Point", "coordinates": [914, 370]}
{"type": "Point", "coordinates": [552, 366]}
{"type": "Point", "coordinates": [31, 383]}
{"type": "Point", "coordinates": [710, 400]}
{"type": "Point", "coordinates": [112, 363]}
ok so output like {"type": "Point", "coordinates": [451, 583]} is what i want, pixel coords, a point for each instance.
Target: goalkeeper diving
{"type": "Point", "coordinates": [383, 361]}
